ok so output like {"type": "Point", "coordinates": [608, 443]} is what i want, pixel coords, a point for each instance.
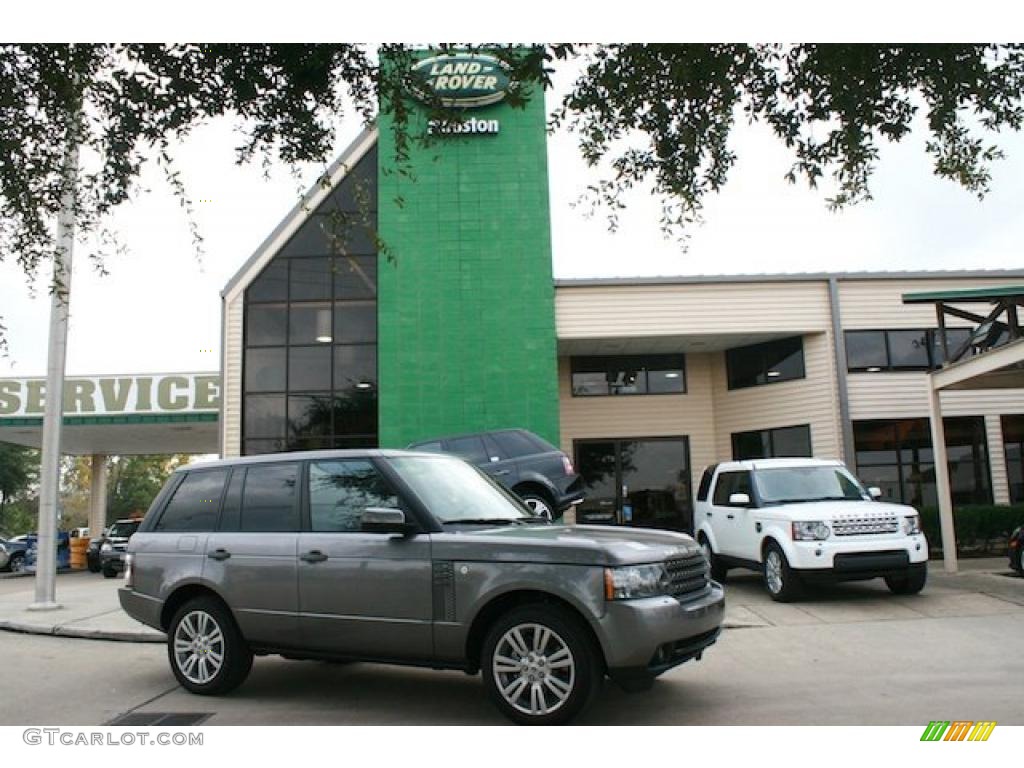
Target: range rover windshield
{"type": "Point", "coordinates": [789, 485]}
{"type": "Point", "coordinates": [456, 492]}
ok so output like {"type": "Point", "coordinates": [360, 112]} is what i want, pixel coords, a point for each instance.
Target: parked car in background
{"type": "Point", "coordinates": [798, 520]}
{"type": "Point", "coordinates": [114, 546]}
{"type": "Point", "coordinates": [92, 554]}
{"type": "Point", "coordinates": [410, 558]}
{"type": "Point", "coordinates": [537, 472]}
{"type": "Point", "coordinates": [1017, 550]}
{"type": "Point", "coordinates": [13, 556]}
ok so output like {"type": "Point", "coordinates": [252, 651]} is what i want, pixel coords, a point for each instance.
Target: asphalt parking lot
{"type": "Point", "coordinates": [847, 655]}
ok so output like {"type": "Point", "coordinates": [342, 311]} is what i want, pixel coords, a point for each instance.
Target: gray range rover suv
{"type": "Point", "coordinates": [410, 558]}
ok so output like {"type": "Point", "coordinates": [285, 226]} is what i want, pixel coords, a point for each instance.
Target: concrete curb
{"type": "Point", "coordinates": [85, 633]}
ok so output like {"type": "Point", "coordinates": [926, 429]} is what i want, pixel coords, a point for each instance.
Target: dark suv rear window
{"type": "Point", "coordinates": [469, 448]}
{"type": "Point", "coordinates": [268, 501]}
{"type": "Point", "coordinates": [195, 504]}
{"type": "Point", "coordinates": [516, 444]}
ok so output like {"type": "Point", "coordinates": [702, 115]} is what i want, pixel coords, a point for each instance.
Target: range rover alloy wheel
{"type": "Point", "coordinates": [538, 505]}
{"type": "Point", "coordinates": [207, 652]}
{"type": "Point", "coordinates": [539, 665]}
{"type": "Point", "coordinates": [782, 583]}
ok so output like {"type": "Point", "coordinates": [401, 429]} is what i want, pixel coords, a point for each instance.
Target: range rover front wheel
{"type": "Point", "coordinates": [540, 666]}
{"type": "Point", "coordinates": [208, 654]}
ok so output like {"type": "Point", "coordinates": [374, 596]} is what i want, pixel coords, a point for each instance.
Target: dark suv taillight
{"type": "Point", "coordinates": [567, 465]}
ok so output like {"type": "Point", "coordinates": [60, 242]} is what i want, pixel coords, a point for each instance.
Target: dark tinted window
{"type": "Point", "coordinates": [231, 512]}
{"type": "Point", "coordinates": [470, 448]}
{"type": "Point", "coordinates": [194, 505]}
{"type": "Point", "coordinates": [705, 483]}
{"type": "Point", "coordinates": [628, 375]}
{"type": "Point", "coordinates": [865, 349]}
{"type": "Point", "coordinates": [268, 502]}
{"type": "Point", "coordinates": [340, 491]}
{"type": "Point", "coordinates": [514, 444]}
{"type": "Point", "coordinates": [730, 483]}
{"type": "Point", "coordinates": [908, 349]}
{"type": "Point", "coordinates": [768, 363]}
{"type": "Point", "coordinates": [769, 443]}
{"type": "Point", "coordinates": [266, 324]}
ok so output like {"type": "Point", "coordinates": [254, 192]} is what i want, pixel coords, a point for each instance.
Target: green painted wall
{"type": "Point", "coordinates": [466, 320]}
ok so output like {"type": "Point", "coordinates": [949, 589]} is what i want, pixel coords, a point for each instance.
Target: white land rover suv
{"type": "Point", "coordinates": [798, 520]}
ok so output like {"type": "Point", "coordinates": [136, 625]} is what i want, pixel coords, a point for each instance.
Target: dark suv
{"type": "Point", "coordinates": [537, 472]}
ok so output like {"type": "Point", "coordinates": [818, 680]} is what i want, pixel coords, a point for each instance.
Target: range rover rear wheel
{"type": "Point", "coordinates": [540, 666]}
{"type": "Point", "coordinates": [782, 583]}
{"type": "Point", "coordinates": [208, 654]}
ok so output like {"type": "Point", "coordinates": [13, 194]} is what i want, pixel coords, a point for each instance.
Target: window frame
{"type": "Point", "coordinates": [770, 432]}
{"type": "Point", "coordinates": [645, 368]}
{"type": "Point", "coordinates": [932, 344]}
{"type": "Point", "coordinates": [763, 368]}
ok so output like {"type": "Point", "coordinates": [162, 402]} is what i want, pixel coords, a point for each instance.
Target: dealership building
{"type": "Point", "coordinates": [409, 295]}
{"type": "Point", "coordinates": [407, 299]}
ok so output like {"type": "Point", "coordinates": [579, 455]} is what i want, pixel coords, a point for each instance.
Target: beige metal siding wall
{"type": "Point", "coordinates": [812, 400]}
{"type": "Point", "coordinates": [688, 414]}
{"type": "Point", "coordinates": [617, 311]}
{"type": "Point", "coordinates": [709, 413]}
{"type": "Point", "coordinates": [232, 426]}
{"type": "Point", "coordinates": [878, 304]}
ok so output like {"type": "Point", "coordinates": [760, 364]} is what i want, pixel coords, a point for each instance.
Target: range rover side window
{"type": "Point", "coordinates": [268, 501]}
{"type": "Point", "coordinates": [730, 483]}
{"type": "Point", "coordinates": [195, 504]}
{"type": "Point", "coordinates": [340, 491]}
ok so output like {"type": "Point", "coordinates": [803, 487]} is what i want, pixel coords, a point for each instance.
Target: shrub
{"type": "Point", "coordinates": [981, 529]}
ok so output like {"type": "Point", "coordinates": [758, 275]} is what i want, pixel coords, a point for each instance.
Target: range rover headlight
{"type": "Point", "coordinates": [810, 530]}
{"type": "Point", "coordinates": [632, 581]}
{"type": "Point", "coordinates": [911, 524]}
{"type": "Point", "coordinates": [107, 547]}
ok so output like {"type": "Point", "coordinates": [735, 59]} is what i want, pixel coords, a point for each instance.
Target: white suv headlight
{"type": "Point", "coordinates": [911, 524]}
{"type": "Point", "coordinates": [810, 530]}
{"type": "Point", "coordinates": [634, 581]}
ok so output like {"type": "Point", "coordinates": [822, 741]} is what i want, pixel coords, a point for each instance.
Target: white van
{"type": "Point", "coordinates": [798, 520]}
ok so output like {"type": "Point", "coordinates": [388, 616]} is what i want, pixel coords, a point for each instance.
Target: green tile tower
{"type": "Point", "coordinates": [466, 320]}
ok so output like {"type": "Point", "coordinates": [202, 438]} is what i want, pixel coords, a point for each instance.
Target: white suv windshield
{"type": "Point", "coordinates": [795, 484]}
{"type": "Point", "coordinates": [456, 492]}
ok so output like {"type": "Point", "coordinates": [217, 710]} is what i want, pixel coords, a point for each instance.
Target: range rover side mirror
{"type": "Point", "coordinates": [383, 520]}
{"type": "Point", "coordinates": [875, 492]}
{"type": "Point", "coordinates": [739, 500]}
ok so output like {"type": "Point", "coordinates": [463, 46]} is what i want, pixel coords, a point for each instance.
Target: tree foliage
{"type": "Point", "coordinates": [19, 468]}
{"type": "Point", "coordinates": [658, 115]}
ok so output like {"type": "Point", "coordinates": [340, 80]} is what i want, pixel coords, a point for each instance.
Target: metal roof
{"type": "Point", "coordinates": [968, 294]}
{"type": "Point", "coordinates": [771, 277]}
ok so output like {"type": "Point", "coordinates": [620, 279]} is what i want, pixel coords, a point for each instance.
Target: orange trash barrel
{"type": "Point", "coordinates": [79, 547]}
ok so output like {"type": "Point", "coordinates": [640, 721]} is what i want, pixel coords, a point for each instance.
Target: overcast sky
{"type": "Point", "coordinates": [159, 308]}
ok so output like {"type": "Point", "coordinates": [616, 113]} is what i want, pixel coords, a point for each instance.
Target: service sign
{"type": "Point", "coordinates": [115, 395]}
{"type": "Point", "coordinates": [462, 80]}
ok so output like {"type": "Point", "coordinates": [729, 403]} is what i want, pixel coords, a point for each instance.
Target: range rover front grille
{"type": "Point", "coordinates": [687, 576]}
{"type": "Point", "coordinates": [865, 526]}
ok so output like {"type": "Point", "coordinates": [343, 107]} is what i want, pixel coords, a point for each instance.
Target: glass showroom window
{"type": "Point", "coordinates": [900, 350]}
{"type": "Point", "coordinates": [628, 375]}
{"type": "Point", "coordinates": [310, 338]}
{"type": "Point", "coordinates": [1013, 443]}
{"type": "Point", "coordinates": [772, 443]}
{"type": "Point", "coordinates": [768, 363]}
{"type": "Point", "coordinates": [897, 457]}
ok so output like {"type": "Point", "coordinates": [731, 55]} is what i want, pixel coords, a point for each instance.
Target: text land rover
{"type": "Point", "coordinates": [801, 520]}
{"type": "Point", "coordinates": [410, 558]}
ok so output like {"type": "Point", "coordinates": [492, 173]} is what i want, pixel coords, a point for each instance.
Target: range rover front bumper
{"type": "Point", "coordinates": [645, 637]}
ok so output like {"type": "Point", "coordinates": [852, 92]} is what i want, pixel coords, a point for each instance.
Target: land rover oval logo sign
{"type": "Point", "coordinates": [462, 80]}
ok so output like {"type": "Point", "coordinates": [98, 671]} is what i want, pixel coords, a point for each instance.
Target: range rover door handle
{"type": "Point", "coordinates": [219, 554]}
{"type": "Point", "coordinates": [503, 472]}
{"type": "Point", "coordinates": [708, 514]}
{"type": "Point", "coordinates": [313, 556]}
{"type": "Point", "coordinates": [731, 516]}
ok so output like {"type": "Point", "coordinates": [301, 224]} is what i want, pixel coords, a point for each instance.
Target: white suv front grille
{"type": "Point", "coordinates": [865, 526]}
